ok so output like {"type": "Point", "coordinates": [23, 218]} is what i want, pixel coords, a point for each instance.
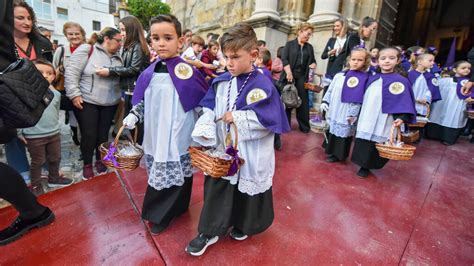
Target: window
{"type": "Point", "coordinates": [96, 25]}
{"type": "Point", "coordinates": [42, 8]}
{"type": "Point", "coordinates": [62, 13]}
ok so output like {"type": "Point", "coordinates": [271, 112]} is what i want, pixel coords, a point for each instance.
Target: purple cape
{"type": "Point", "coordinates": [354, 93]}
{"type": "Point", "coordinates": [265, 72]}
{"type": "Point", "coordinates": [396, 102]}
{"type": "Point", "coordinates": [270, 111]}
{"type": "Point", "coordinates": [190, 90]}
{"type": "Point", "coordinates": [432, 82]}
{"type": "Point", "coordinates": [458, 81]}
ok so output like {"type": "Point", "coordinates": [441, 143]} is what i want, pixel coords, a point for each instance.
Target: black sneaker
{"type": "Point", "coordinates": [155, 229]}
{"type": "Point", "coordinates": [237, 234]}
{"type": "Point", "coordinates": [363, 172]}
{"type": "Point", "coordinates": [332, 159]}
{"type": "Point", "coordinates": [59, 182]}
{"type": "Point", "coordinates": [21, 226]}
{"type": "Point", "coordinates": [198, 245]}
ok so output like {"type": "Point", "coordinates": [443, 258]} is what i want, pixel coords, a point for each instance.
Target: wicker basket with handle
{"type": "Point", "coordinates": [391, 151]}
{"type": "Point", "coordinates": [213, 166]}
{"type": "Point", "coordinates": [315, 87]}
{"type": "Point", "coordinates": [423, 122]}
{"type": "Point", "coordinates": [411, 136]}
{"type": "Point", "coordinates": [126, 163]}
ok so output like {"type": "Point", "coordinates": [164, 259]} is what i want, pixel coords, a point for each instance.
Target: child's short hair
{"type": "Point", "coordinates": [41, 61]}
{"type": "Point", "coordinates": [212, 43]}
{"type": "Point", "coordinates": [421, 57]}
{"type": "Point", "coordinates": [170, 19]}
{"type": "Point", "coordinates": [280, 51]}
{"type": "Point", "coordinates": [239, 36]}
{"type": "Point", "coordinates": [196, 39]}
{"type": "Point", "coordinates": [261, 43]}
{"type": "Point", "coordinates": [265, 55]}
{"type": "Point", "coordinates": [373, 48]}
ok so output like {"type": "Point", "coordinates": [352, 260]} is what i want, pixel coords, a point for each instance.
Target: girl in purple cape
{"type": "Point", "coordinates": [388, 101]}
{"type": "Point", "coordinates": [448, 117]}
{"type": "Point", "coordinates": [242, 200]}
{"type": "Point", "coordinates": [342, 103]}
{"type": "Point", "coordinates": [166, 99]}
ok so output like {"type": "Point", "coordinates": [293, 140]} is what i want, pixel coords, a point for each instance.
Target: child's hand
{"type": "Point", "coordinates": [103, 72]}
{"type": "Point", "coordinates": [351, 120]}
{"type": "Point", "coordinates": [22, 139]}
{"type": "Point", "coordinates": [228, 118]}
{"type": "Point", "coordinates": [423, 101]}
{"type": "Point", "coordinates": [398, 122]}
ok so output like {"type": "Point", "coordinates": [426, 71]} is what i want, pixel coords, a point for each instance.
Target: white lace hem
{"type": "Point", "coordinates": [163, 175]}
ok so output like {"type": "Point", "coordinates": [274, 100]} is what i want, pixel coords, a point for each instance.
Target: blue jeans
{"type": "Point", "coordinates": [310, 99]}
{"type": "Point", "coordinates": [16, 155]}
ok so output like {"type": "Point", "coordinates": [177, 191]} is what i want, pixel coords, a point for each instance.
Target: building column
{"type": "Point", "coordinates": [266, 8]}
{"type": "Point", "coordinates": [324, 11]}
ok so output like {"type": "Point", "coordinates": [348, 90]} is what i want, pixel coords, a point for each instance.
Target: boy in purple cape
{"type": "Point", "coordinates": [342, 103]}
{"type": "Point", "coordinates": [388, 101]}
{"type": "Point", "coordinates": [247, 98]}
{"type": "Point", "coordinates": [166, 96]}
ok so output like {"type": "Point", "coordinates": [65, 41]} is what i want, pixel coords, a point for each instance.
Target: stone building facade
{"type": "Point", "coordinates": [273, 20]}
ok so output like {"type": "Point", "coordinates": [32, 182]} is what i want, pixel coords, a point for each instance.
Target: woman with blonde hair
{"type": "Point", "coordinates": [298, 58]}
{"type": "Point", "coordinates": [337, 48]}
{"type": "Point", "coordinates": [76, 36]}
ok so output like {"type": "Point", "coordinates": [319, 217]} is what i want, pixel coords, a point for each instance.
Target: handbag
{"type": "Point", "coordinates": [25, 94]}
{"type": "Point", "coordinates": [58, 82]}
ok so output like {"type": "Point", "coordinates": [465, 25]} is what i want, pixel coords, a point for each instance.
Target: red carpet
{"type": "Point", "coordinates": [415, 212]}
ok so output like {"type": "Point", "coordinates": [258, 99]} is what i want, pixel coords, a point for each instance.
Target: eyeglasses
{"type": "Point", "coordinates": [118, 40]}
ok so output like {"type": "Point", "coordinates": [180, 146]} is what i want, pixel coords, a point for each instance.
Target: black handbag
{"type": "Point", "coordinates": [24, 94]}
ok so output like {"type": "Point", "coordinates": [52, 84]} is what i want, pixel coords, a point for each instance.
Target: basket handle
{"type": "Point", "coordinates": [428, 110]}
{"type": "Point", "coordinates": [135, 135]}
{"type": "Point", "coordinates": [236, 142]}
{"type": "Point", "coordinates": [399, 134]}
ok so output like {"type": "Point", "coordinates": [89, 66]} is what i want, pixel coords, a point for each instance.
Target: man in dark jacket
{"type": "Point", "coordinates": [12, 186]}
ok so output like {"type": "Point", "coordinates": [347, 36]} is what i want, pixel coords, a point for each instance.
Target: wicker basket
{"type": "Point", "coordinates": [126, 163]}
{"type": "Point", "coordinates": [320, 127]}
{"type": "Point", "coordinates": [411, 136]}
{"type": "Point", "coordinates": [392, 152]}
{"type": "Point", "coordinates": [314, 87]}
{"type": "Point", "coordinates": [213, 166]}
{"type": "Point", "coordinates": [422, 123]}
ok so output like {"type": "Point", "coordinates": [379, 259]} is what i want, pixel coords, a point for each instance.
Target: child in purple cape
{"type": "Point", "coordinates": [342, 103]}
{"type": "Point", "coordinates": [166, 99]}
{"type": "Point", "coordinates": [245, 97]}
{"type": "Point", "coordinates": [388, 101]}
{"type": "Point", "coordinates": [448, 117]}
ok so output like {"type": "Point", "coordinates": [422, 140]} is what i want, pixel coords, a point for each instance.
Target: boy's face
{"type": "Point", "coordinates": [197, 48]}
{"type": "Point", "coordinates": [165, 40]}
{"type": "Point", "coordinates": [47, 72]}
{"type": "Point", "coordinates": [259, 61]}
{"type": "Point", "coordinates": [240, 61]}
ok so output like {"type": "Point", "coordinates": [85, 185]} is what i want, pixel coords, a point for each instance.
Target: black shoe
{"type": "Point", "coordinates": [59, 182]}
{"type": "Point", "coordinates": [21, 226]}
{"type": "Point", "coordinates": [277, 143]}
{"type": "Point", "coordinates": [363, 172]}
{"type": "Point", "coordinates": [198, 245]}
{"type": "Point", "coordinates": [236, 234]}
{"type": "Point", "coordinates": [332, 159]}
{"type": "Point", "coordinates": [158, 228]}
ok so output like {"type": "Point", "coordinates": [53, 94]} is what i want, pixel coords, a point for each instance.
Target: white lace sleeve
{"type": "Point", "coordinates": [353, 109]}
{"type": "Point", "coordinates": [204, 131]}
{"type": "Point", "coordinates": [248, 125]}
{"type": "Point", "coordinates": [138, 110]}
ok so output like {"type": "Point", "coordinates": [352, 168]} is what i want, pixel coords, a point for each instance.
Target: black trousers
{"type": "Point", "coordinates": [13, 189]}
{"type": "Point", "coordinates": [225, 206]}
{"type": "Point", "coordinates": [94, 122]}
{"type": "Point", "coordinates": [302, 112]}
{"type": "Point", "coordinates": [161, 206]}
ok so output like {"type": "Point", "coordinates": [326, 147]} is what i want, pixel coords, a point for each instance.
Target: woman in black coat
{"type": "Point", "coordinates": [12, 186]}
{"type": "Point", "coordinates": [298, 58]}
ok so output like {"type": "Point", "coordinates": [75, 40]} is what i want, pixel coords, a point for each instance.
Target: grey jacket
{"type": "Point", "coordinates": [80, 78]}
